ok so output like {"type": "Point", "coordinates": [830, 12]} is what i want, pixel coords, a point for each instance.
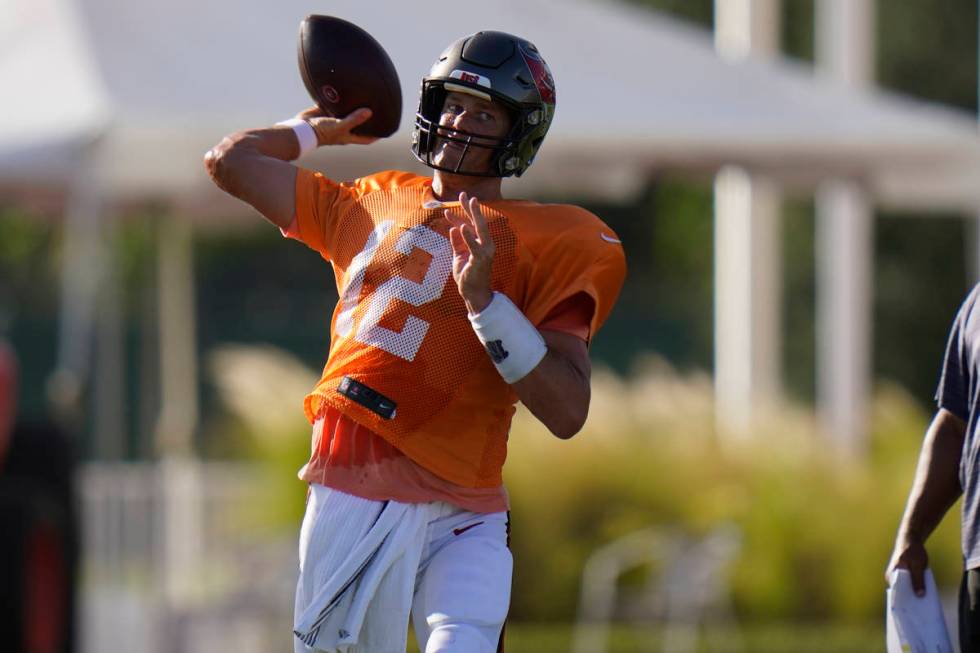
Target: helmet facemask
{"type": "Point", "coordinates": [431, 136]}
{"type": "Point", "coordinates": [504, 70]}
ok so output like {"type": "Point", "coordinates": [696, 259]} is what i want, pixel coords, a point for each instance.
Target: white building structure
{"type": "Point", "coordinates": [116, 103]}
{"type": "Point", "coordinates": [112, 104]}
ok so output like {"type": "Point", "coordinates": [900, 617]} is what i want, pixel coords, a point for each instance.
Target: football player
{"type": "Point", "coordinates": [454, 303]}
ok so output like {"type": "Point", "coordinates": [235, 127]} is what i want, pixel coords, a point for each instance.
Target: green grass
{"type": "Point", "coordinates": [763, 638]}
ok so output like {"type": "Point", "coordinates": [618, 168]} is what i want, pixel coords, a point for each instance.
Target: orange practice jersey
{"type": "Point", "coordinates": [400, 327]}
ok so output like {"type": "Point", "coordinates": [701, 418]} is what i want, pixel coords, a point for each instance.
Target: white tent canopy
{"type": "Point", "coordinates": [117, 101]}
{"type": "Point", "coordinates": [153, 85]}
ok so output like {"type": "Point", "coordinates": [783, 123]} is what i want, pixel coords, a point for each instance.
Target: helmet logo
{"type": "Point", "coordinates": [470, 78]}
{"type": "Point", "coordinates": [330, 94]}
{"type": "Point", "coordinates": [543, 80]}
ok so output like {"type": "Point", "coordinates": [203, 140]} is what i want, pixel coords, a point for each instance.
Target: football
{"type": "Point", "coordinates": [345, 68]}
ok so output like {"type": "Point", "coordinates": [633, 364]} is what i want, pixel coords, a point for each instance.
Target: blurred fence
{"type": "Point", "coordinates": [175, 559]}
{"type": "Point", "coordinates": [689, 594]}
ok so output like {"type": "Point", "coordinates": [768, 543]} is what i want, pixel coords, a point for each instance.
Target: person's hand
{"type": "Point", "coordinates": [337, 131]}
{"type": "Point", "coordinates": [473, 252]}
{"type": "Point", "coordinates": [910, 553]}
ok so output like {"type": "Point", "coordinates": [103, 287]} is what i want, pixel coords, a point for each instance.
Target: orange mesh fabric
{"type": "Point", "coordinates": [400, 326]}
{"type": "Point", "coordinates": [348, 457]}
{"type": "Point", "coordinates": [572, 316]}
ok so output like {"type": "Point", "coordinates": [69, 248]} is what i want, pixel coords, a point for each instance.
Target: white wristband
{"type": "Point", "coordinates": [513, 343]}
{"type": "Point", "coordinates": [304, 134]}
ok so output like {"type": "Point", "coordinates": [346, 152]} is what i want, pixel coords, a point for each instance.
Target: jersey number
{"type": "Point", "coordinates": [404, 344]}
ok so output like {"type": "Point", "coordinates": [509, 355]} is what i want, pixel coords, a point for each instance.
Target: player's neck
{"type": "Point", "coordinates": [446, 187]}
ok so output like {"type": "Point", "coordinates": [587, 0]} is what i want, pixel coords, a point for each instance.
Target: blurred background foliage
{"type": "Point", "coordinates": [252, 287]}
{"type": "Point", "coordinates": [816, 534]}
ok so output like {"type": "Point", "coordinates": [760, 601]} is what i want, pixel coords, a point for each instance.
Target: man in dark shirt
{"type": "Point", "coordinates": [948, 467]}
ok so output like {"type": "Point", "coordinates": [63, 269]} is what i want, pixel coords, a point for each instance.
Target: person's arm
{"type": "Point", "coordinates": [254, 165]}
{"type": "Point", "coordinates": [557, 390]}
{"type": "Point", "coordinates": [935, 489]}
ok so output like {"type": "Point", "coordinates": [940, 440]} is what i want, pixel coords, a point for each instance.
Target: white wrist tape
{"type": "Point", "coordinates": [513, 343]}
{"type": "Point", "coordinates": [304, 134]}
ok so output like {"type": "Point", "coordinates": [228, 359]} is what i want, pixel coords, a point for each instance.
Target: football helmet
{"type": "Point", "coordinates": [495, 66]}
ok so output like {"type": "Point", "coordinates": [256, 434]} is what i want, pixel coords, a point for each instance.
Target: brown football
{"type": "Point", "coordinates": [345, 68]}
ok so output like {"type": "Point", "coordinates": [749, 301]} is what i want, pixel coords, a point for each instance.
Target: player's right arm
{"type": "Point", "coordinates": [935, 489]}
{"type": "Point", "coordinates": [255, 165]}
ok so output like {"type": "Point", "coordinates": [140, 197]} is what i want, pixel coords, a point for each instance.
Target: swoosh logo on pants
{"type": "Point", "coordinates": [460, 531]}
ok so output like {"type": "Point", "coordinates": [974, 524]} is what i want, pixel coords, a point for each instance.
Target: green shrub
{"type": "Point", "coordinates": [816, 529]}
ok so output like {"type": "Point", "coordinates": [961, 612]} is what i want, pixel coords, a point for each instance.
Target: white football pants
{"type": "Point", "coordinates": [462, 582]}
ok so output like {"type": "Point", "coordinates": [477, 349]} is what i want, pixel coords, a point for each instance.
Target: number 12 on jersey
{"type": "Point", "coordinates": [405, 343]}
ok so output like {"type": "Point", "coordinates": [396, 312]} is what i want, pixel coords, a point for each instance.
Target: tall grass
{"type": "Point", "coordinates": [816, 529]}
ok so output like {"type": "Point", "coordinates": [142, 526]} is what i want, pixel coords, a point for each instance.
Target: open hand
{"type": "Point", "coordinates": [473, 251]}
{"type": "Point", "coordinates": [337, 131]}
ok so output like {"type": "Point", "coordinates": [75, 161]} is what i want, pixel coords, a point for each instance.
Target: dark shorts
{"type": "Point", "coordinates": [969, 611]}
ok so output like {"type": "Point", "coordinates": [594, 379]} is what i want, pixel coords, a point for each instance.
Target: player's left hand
{"type": "Point", "coordinates": [473, 252]}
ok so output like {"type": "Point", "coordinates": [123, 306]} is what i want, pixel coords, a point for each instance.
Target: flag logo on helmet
{"type": "Point", "coordinates": [543, 80]}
